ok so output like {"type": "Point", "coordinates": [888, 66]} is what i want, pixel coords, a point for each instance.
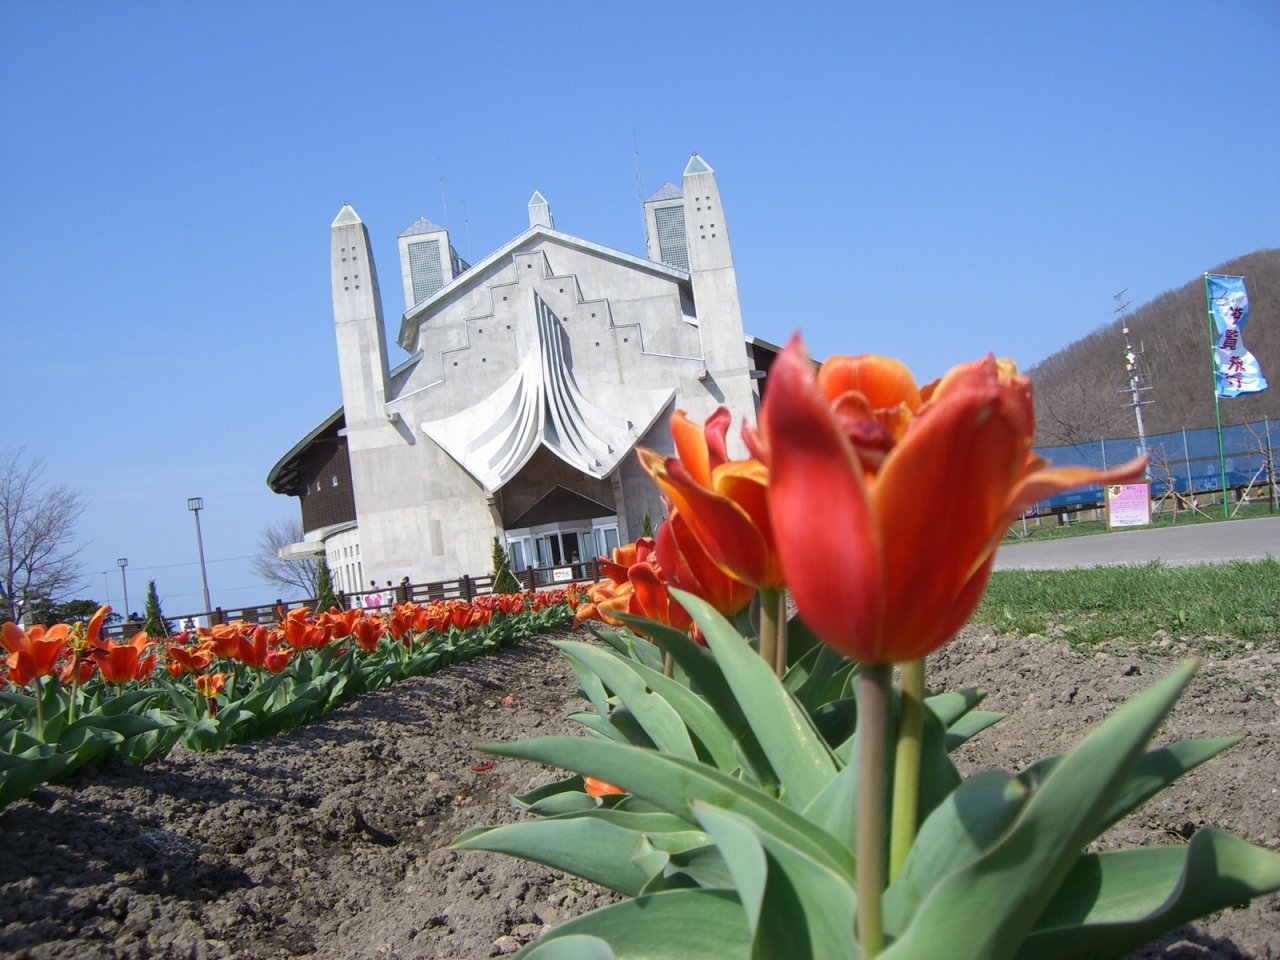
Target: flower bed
{"type": "Point", "coordinates": [68, 697]}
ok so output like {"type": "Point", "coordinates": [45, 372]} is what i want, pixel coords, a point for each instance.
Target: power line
{"type": "Point", "coordinates": [196, 563]}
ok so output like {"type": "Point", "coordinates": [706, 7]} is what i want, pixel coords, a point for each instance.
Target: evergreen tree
{"type": "Point", "coordinates": [326, 599]}
{"type": "Point", "coordinates": [646, 527]}
{"type": "Point", "coordinates": [154, 622]}
{"type": "Point", "coordinates": [504, 580]}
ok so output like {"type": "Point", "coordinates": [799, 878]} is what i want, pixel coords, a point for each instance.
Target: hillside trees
{"type": "Point", "coordinates": [1081, 391]}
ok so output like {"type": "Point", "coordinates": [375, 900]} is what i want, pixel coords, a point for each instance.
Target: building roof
{"type": "Point", "coordinates": [285, 472]}
{"type": "Point", "coordinates": [420, 226]}
{"type": "Point", "coordinates": [697, 165]}
{"type": "Point", "coordinates": [561, 504]}
{"type": "Point", "coordinates": [409, 320]}
{"type": "Point", "coordinates": [668, 191]}
{"type": "Point", "coordinates": [345, 216]}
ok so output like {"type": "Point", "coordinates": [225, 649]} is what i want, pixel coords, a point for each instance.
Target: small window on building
{"type": "Point", "coordinates": [335, 480]}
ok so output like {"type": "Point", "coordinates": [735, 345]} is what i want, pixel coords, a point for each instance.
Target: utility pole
{"type": "Point", "coordinates": [1134, 369]}
{"type": "Point", "coordinates": [122, 563]}
{"type": "Point", "coordinates": [195, 505]}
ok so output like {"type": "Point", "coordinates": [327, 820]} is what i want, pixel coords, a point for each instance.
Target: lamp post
{"type": "Point", "coordinates": [195, 505]}
{"type": "Point", "coordinates": [122, 563]}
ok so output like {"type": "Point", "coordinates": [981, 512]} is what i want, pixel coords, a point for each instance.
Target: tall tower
{"type": "Point", "coordinates": [357, 317]}
{"type": "Point", "coordinates": [715, 289]}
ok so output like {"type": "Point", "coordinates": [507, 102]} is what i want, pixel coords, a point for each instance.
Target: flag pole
{"type": "Point", "coordinates": [1217, 403]}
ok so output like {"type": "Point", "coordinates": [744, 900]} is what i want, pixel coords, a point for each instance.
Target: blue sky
{"type": "Point", "coordinates": [930, 181]}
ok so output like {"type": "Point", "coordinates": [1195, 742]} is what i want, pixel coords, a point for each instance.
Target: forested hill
{"type": "Point", "coordinates": [1081, 391]}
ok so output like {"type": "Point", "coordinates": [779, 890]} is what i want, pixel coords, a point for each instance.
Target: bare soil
{"type": "Point", "coordinates": [331, 842]}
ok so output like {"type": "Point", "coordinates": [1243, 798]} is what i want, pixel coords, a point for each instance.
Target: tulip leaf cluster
{"type": "Point", "coordinates": [730, 817]}
{"type": "Point", "coordinates": [141, 719]}
{"type": "Point", "coordinates": [30, 756]}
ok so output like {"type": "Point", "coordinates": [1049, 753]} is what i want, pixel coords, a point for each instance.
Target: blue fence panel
{"type": "Point", "coordinates": [1186, 460]}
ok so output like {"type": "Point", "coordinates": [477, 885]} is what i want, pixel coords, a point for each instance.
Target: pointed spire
{"type": "Point", "coordinates": [540, 211]}
{"type": "Point", "coordinates": [346, 216]}
{"type": "Point", "coordinates": [697, 165]}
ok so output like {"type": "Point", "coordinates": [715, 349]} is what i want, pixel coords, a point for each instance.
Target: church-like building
{"type": "Point", "coordinates": [532, 376]}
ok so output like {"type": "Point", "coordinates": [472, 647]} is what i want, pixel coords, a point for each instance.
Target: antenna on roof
{"type": "Point", "coordinates": [467, 224]}
{"type": "Point", "coordinates": [640, 187]}
{"type": "Point", "coordinates": [443, 201]}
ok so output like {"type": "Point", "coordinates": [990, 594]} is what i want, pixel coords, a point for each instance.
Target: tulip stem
{"type": "Point", "coordinates": [773, 626]}
{"type": "Point", "coordinates": [668, 665]}
{"type": "Point", "coordinates": [39, 710]}
{"type": "Point", "coordinates": [906, 768]}
{"type": "Point", "coordinates": [873, 721]}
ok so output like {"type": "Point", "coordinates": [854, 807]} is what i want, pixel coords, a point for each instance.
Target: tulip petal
{"type": "Point", "coordinates": [721, 526]}
{"type": "Point", "coordinates": [885, 382]}
{"type": "Point", "coordinates": [691, 447]}
{"type": "Point", "coordinates": [940, 495]}
{"type": "Point", "coordinates": [822, 521]}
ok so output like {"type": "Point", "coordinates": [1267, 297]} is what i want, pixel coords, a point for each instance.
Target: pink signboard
{"type": "Point", "coordinates": [1129, 505]}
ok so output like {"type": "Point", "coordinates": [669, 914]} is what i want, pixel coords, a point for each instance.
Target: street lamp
{"type": "Point", "coordinates": [195, 505]}
{"type": "Point", "coordinates": [122, 563]}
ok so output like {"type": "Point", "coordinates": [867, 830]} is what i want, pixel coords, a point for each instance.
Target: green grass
{"type": "Point", "coordinates": [1049, 529]}
{"type": "Point", "coordinates": [1239, 600]}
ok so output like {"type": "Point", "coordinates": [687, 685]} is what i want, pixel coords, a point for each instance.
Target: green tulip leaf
{"type": "Point", "coordinates": [569, 785]}
{"type": "Point", "coordinates": [1110, 904]}
{"type": "Point", "coordinates": [580, 947]}
{"type": "Point", "coordinates": [970, 725]}
{"type": "Point", "coordinates": [795, 906]}
{"type": "Point", "coordinates": [704, 673]}
{"type": "Point", "coordinates": [954, 704]}
{"type": "Point", "coordinates": [562, 803]}
{"type": "Point", "coordinates": [799, 668]}
{"type": "Point", "coordinates": [599, 726]}
{"type": "Point", "coordinates": [670, 783]}
{"type": "Point", "coordinates": [796, 751]}
{"type": "Point", "coordinates": [660, 721]}
{"type": "Point", "coordinates": [801, 641]}
{"type": "Point", "coordinates": [589, 683]}
{"type": "Point", "coordinates": [998, 896]}
{"type": "Point", "coordinates": [825, 667]}
{"type": "Point", "coordinates": [588, 847]}
{"type": "Point", "coordinates": [958, 831]}
{"type": "Point", "coordinates": [675, 924]}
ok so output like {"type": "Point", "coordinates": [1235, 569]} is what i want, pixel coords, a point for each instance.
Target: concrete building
{"type": "Point", "coordinates": [531, 377]}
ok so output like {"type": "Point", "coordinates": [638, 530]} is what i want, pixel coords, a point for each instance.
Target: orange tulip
{"type": "Point", "coordinates": [367, 631]}
{"type": "Point", "coordinates": [38, 658]}
{"type": "Point", "coordinates": [183, 660]}
{"type": "Point", "coordinates": [599, 788]}
{"type": "Point", "coordinates": [69, 674]}
{"type": "Point", "coordinates": [277, 660]}
{"type": "Point", "coordinates": [122, 662]}
{"type": "Point", "coordinates": [887, 518]}
{"type": "Point", "coordinates": [725, 502]}
{"type": "Point", "coordinates": [686, 565]}
{"type": "Point", "coordinates": [211, 684]}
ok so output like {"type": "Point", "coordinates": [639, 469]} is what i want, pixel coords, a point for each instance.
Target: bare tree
{"type": "Point", "coordinates": [303, 575]}
{"type": "Point", "coordinates": [37, 526]}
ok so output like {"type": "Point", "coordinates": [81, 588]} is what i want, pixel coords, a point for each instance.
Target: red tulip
{"type": "Point", "coordinates": [182, 660]}
{"type": "Point", "coordinates": [277, 660]}
{"type": "Point", "coordinates": [887, 518]}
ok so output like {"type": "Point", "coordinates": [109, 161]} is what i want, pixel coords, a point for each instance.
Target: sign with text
{"type": "Point", "coordinates": [562, 574]}
{"type": "Point", "coordinates": [1129, 505]}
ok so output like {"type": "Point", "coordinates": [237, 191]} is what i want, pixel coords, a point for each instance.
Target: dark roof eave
{"type": "Point", "coordinates": [277, 479]}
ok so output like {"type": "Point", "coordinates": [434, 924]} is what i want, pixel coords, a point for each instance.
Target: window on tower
{"type": "Point", "coordinates": [672, 246]}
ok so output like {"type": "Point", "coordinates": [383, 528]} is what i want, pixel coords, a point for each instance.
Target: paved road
{"type": "Point", "coordinates": [1194, 543]}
